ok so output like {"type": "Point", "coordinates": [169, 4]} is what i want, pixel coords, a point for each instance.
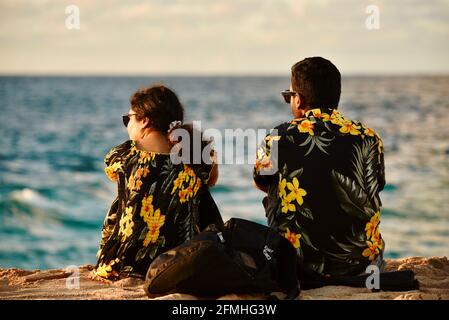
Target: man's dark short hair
{"type": "Point", "coordinates": [318, 81]}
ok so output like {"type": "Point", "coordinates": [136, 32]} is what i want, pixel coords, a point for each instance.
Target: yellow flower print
{"type": "Point", "coordinates": [197, 186]}
{"type": "Point", "coordinates": [137, 184]}
{"type": "Point", "coordinates": [375, 242]}
{"type": "Point", "coordinates": [372, 225]}
{"type": "Point", "coordinates": [293, 238]}
{"type": "Point", "coordinates": [147, 206]}
{"type": "Point", "coordinates": [369, 132]}
{"type": "Point", "coordinates": [372, 251]}
{"type": "Point", "coordinates": [178, 182]}
{"type": "Point", "coordinates": [380, 144]}
{"type": "Point", "coordinates": [141, 172]}
{"type": "Point", "coordinates": [133, 150]}
{"type": "Point", "coordinates": [263, 159]}
{"type": "Point", "coordinates": [105, 270]}
{"type": "Point", "coordinates": [260, 153]}
{"type": "Point", "coordinates": [134, 182]}
{"type": "Point", "coordinates": [187, 183]}
{"type": "Point", "coordinates": [145, 157]}
{"type": "Point", "coordinates": [131, 183]}
{"type": "Point", "coordinates": [337, 118]}
{"type": "Point", "coordinates": [376, 238]}
{"type": "Point", "coordinates": [153, 218]}
{"type": "Point", "coordinates": [270, 140]}
{"type": "Point", "coordinates": [182, 196]}
{"type": "Point", "coordinates": [336, 114]}
{"type": "Point", "coordinates": [282, 186]}
{"type": "Point", "coordinates": [350, 127]}
{"type": "Point", "coordinates": [286, 203]}
{"type": "Point", "coordinates": [189, 171]}
{"type": "Point", "coordinates": [319, 115]}
{"type": "Point", "coordinates": [145, 172]}
{"type": "Point", "coordinates": [306, 126]}
{"type": "Point", "coordinates": [138, 173]}
{"type": "Point", "coordinates": [189, 192]}
{"type": "Point", "coordinates": [126, 223]}
{"type": "Point", "coordinates": [264, 163]}
{"type": "Point", "coordinates": [154, 223]}
{"type": "Point", "coordinates": [294, 122]}
{"type": "Point", "coordinates": [296, 192]}
{"type": "Point", "coordinates": [111, 171]}
{"type": "Point", "coordinates": [191, 187]}
{"type": "Point", "coordinates": [192, 182]}
{"type": "Point", "coordinates": [134, 147]}
{"type": "Point", "coordinates": [338, 121]}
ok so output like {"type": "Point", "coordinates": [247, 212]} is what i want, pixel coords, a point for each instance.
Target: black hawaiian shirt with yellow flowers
{"type": "Point", "coordinates": [323, 190]}
{"type": "Point", "coordinates": [158, 206]}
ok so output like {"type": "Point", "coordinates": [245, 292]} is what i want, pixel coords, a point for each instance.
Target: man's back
{"type": "Point", "coordinates": [324, 197]}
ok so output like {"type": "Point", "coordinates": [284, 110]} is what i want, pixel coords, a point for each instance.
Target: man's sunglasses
{"type": "Point", "coordinates": [126, 117]}
{"type": "Point", "coordinates": [288, 94]}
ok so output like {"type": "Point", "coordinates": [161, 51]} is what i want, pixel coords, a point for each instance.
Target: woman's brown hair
{"type": "Point", "coordinates": [158, 103]}
{"type": "Point", "coordinates": [166, 114]}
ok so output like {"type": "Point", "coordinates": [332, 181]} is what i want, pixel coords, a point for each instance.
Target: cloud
{"type": "Point", "coordinates": [224, 36]}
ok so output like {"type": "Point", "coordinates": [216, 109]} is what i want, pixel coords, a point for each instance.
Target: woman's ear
{"type": "Point", "coordinates": [146, 122]}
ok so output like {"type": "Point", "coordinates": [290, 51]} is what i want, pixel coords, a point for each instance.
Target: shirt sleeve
{"type": "Point", "coordinates": [108, 225]}
{"type": "Point", "coordinates": [265, 170]}
{"type": "Point", "coordinates": [114, 159]}
{"type": "Point", "coordinates": [381, 171]}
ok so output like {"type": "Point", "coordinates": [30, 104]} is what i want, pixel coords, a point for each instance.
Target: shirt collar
{"type": "Point", "coordinates": [314, 111]}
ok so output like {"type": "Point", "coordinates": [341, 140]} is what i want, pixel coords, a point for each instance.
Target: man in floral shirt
{"type": "Point", "coordinates": [322, 173]}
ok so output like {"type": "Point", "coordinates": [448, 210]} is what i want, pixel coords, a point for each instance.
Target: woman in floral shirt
{"type": "Point", "coordinates": [159, 204]}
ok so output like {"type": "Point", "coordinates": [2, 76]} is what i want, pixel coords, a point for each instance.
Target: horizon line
{"type": "Point", "coordinates": [216, 74]}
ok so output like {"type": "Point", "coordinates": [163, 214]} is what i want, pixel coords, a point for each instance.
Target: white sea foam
{"type": "Point", "coordinates": [30, 196]}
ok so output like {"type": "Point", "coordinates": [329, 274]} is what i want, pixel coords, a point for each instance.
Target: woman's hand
{"type": "Point", "coordinates": [213, 176]}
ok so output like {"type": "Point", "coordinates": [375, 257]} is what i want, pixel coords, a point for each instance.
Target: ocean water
{"type": "Point", "coordinates": [55, 131]}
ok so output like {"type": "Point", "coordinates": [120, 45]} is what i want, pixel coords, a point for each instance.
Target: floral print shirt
{"type": "Point", "coordinates": [157, 208]}
{"type": "Point", "coordinates": [324, 195]}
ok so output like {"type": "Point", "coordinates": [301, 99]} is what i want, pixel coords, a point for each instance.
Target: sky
{"type": "Point", "coordinates": [224, 37]}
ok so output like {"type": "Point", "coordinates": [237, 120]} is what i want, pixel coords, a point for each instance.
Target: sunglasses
{"type": "Point", "coordinates": [288, 94]}
{"type": "Point", "coordinates": [126, 117]}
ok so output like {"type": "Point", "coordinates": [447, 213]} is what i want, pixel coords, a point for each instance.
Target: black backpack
{"type": "Point", "coordinates": [243, 257]}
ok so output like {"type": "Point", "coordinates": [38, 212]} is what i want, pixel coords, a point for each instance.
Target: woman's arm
{"type": "Point", "coordinates": [213, 176]}
{"type": "Point", "coordinates": [260, 187]}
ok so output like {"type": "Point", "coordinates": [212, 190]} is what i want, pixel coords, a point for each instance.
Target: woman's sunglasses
{"type": "Point", "coordinates": [126, 117]}
{"type": "Point", "coordinates": [288, 94]}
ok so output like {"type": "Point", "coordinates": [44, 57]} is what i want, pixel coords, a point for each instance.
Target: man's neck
{"type": "Point", "coordinates": [301, 113]}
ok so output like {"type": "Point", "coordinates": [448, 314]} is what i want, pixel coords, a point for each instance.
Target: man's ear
{"type": "Point", "coordinates": [298, 102]}
{"type": "Point", "coordinates": [299, 106]}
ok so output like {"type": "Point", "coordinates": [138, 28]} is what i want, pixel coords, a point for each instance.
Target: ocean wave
{"type": "Point", "coordinates": [27, 209]}
{"type": "Point", "coordinates": [30, 196]}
